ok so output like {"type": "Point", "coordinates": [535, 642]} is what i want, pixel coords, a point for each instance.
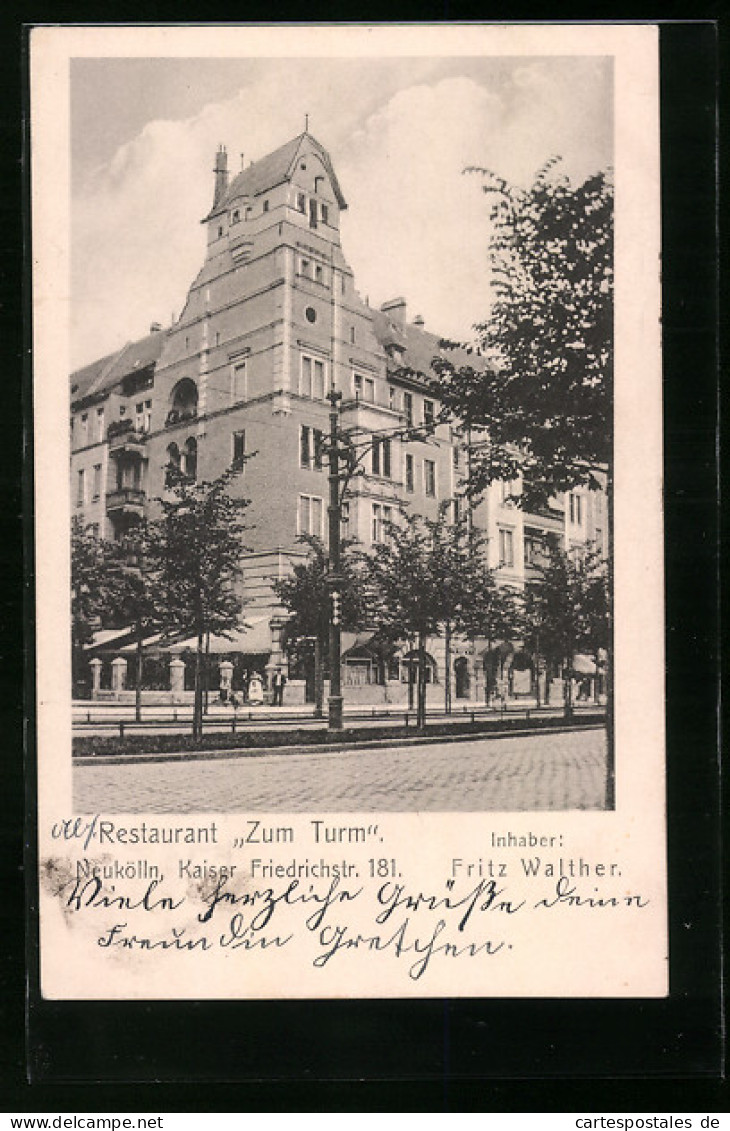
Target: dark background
{"type": "Point", "coordinates": [482, 1055]}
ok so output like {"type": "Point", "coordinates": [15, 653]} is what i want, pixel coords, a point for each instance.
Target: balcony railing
{"type": "Point", "coordinates": [130, 499]}
{"type": "Point", "coordinates": [180, 415]}
{"type": "Point", "coordinates": [122, 434]}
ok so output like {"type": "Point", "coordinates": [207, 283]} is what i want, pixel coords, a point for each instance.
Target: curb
{"type": "Point", "coordinates": [319, 748]}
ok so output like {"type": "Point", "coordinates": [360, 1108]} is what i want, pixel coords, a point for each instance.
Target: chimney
{"type": "Point", "coordinates": [221, 175]}
{"type": "Point", "coordinates": [418, 320]}
{"type": "Point", "coordinates": [396, 309]}
{"type": "Point", "coordinates": [155, 327]}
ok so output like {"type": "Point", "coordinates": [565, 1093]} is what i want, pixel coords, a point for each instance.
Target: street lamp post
{"type": "Point", "coordinates": [334, 578]}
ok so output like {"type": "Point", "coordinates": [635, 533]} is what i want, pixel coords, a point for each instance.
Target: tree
{"type": "Point", "coordinates": [490, 611]}
{"type": "Point", "coordinates": [199, 550]}
{"type": "Point", "coordinates": [419, 584]}
{"type": "Point", "coordinates": [541, 404]}
{"type": "Point", "coordinates": [468, 597]}
{"type": "Point", "coordinates": [133, 583]}
{"type": "Point", "coordinates": [567, 609]}
{"type": "Point", "coordinates": [88, 590]}
{"type": "Point", "coordinates": [306, 594]}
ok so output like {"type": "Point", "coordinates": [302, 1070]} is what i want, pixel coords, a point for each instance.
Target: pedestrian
{"type": "Point", "coordinates": [255, 690]}
{"type": "Point", "coordinates": [278, 683]}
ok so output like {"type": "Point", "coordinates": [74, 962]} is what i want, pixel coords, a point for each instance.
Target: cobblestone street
{"type": "Point", "coordinates": [547, 771]}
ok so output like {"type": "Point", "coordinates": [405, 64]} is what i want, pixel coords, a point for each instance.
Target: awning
{"type": "Point", "coordinates": [105, 638]}
{"type": "Point", "coordinates": [352, 640]}
{"type": "Point", "coordinates": [253, 640]}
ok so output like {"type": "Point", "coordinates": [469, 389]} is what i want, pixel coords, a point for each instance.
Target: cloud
{"type": "Point", "coordinates": [415, 225]}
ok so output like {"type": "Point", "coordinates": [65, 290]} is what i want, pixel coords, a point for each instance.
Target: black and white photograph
{"type": "Point", "coordinates": [349, 478]}
{"type": "Point", "coordinates": [373, 438]}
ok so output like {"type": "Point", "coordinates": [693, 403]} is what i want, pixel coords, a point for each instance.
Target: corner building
{"type": "Point", "coordinates": [270, 324]}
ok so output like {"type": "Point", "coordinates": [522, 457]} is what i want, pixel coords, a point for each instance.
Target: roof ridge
{"type": "Point", "coordinates": [100, 377]}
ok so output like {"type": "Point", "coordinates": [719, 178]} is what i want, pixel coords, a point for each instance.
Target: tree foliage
{"type": "Point", "coordinates": [88, 591]}
{"type": "Point", "coordinates": [541, 403]}
{"type": "Point", "coordinates": [565, 611]}
{"type": "Point", "coordinates": [306, 595]}
{"type": "Point", "coordinates": [199, 548]}
{"type": "Point", "coordinates": [132, 584]}
{"type": "Point", "coordinates": [423, 581]}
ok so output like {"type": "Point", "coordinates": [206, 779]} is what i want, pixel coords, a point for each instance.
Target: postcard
{"type": "Point", "coordinates": [348, 462]}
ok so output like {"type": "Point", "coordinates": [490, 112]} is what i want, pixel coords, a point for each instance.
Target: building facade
{"type": "Point", "coordinates": [272, 322]}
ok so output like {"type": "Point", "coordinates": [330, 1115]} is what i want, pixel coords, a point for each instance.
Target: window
{"type": "Point", "coordinates": [311, 448]}
{"type": "Point", "coordinates": [138, 416]}
{"type": "Point", "coordinates": [309, 518]}
{"type": "Point", "coordinates": [173, 464]}
{"type": "Point", "coordinates": [313, 213]}
{"type": "Point", "coordinates": [80, 488]}
{"type": "Point", "coordinates": [376, 530]}
{"type": "Point", "coordinates": [599, 540]}
{"type": "Point", "coordinates": [96, 485]}
{"type": "Point", "coordinates": [305, 267]}
{"type": "Point", "coordinates": [147, 416]}
{"type": "Point", "coordinates": [239, 446]}
{"type": "Point", "coordinates": [345, 519]}
{"type": "Point", "coordinates": [352, 335]}
{"type": "Point", "coordinates": [409, 473]}
{"type": "Point", "coordinates": [408, 408]}
{"type": "Point", "coordinates": [318, 273]}
{"type": "Point", "coordinates": [93, 529]}
{"type": "Point", "coordinates": [236, 216]}
{"type": "Point", "coordinates": [310, 314]}
{"type": "Point", "coordinates": [506, 547]}
{"type": "Point", "coordinates": [191, 458]}
{"type": "Point", "coordinates": [532, 550]}
{"type": "Point", "coordinates": [428, 412]}
{"type": "Point", "coordinates": [301, 202]}
{"type": "Point", "coordinates": [217, 337]}
{"type": "Point", "coordinates": [381, 458]}
{"type": "Point", "coordinates": [429, 477]}
{"type": "Point", "coordinates": [455, 458]}
{"type": "Point", "coordinates": [266, 206]}
{"type": "Point", "coordinates": [325, 214]}
{"type": "Point", "coordinates": [99, 424]}
{"type": "Point", "coordinates": [312, 378]}
{"type": "Point", "coordinates": [364, 388]}
{"type": "Point", "coordinates": [576, 510]}
{"type": "Point", "coordinates": [84, 430]}
{"type": "Point", "coordinates": [382, 519]}
{"type": "Point", "coordinates": [238, 381]}
{"type": "Point", "coordinates": [456, 510]}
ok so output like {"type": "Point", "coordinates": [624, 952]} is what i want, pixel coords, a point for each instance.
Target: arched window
{"type": "Point", "coordinates": [173, 464]}
{"type": "Point", "coordinates": [191, 458]}
{"type": "Point", "coordinates": [183, 401]}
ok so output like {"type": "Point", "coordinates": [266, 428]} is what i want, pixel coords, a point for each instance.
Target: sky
{"type": "Point", "coordinates": [400, 132]}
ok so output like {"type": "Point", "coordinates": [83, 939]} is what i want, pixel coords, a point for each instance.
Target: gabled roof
{"type": "Point", "coordinates": [411, 347]}
{"type": "Point", "coordinates": [273, 170]}
{"type": "Point", "coordinates": [102, 375]}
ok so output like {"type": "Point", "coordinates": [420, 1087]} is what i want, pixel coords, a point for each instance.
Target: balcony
{"type": "Point", "coordinates": [123, 437]}
{"type": "Point", "coordinates": [126, 500]}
